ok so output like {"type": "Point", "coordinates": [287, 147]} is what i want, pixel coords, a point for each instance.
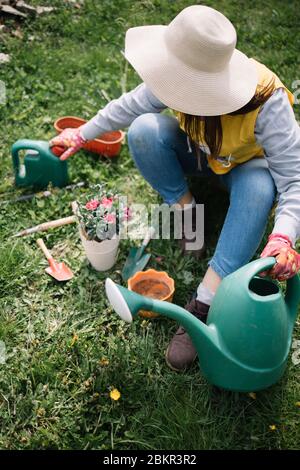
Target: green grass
{"type": "Point", "coordinates": [54, 389]}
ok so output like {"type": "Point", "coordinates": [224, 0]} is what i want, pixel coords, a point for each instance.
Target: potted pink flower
{"type": "Point", "coordinates": [100, 221]}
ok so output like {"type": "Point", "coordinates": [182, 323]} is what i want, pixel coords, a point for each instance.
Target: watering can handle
{"type": "Point", "coordinates": [257, 266]}
{"type": "Point", "coordinates": [292, 297]}
{"type": "Point", "coordinates": [22, 144]}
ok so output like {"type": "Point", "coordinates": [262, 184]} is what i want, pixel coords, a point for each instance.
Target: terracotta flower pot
{"type": "Point", "coordinates": [102, 255]}
{"type": "Point", "coordinates": [154, 284]}
{"type": "Point", "coordinates": [108, 144]}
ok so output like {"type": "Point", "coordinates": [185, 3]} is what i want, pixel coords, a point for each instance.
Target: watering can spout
{"type": "Point", "coordinates": [128, 304]}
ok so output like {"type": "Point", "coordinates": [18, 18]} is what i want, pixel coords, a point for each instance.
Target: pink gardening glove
{"type": "Point", "coordinates": [287, 259]}
{"type": "Point", "coordinates": [69, 138]}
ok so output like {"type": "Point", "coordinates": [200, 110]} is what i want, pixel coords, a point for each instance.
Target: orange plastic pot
{"type": "Point", "coordinates": [154, 284]}
{"type": "Point", "coordinates": [109, 145]}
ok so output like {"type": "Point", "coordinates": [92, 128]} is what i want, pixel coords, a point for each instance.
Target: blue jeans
{"type": "Point", "coordinates": [161, 153]}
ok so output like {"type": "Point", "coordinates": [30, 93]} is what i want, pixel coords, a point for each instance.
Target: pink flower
{"type": "Point", "coordinates": [110, 218]}
{"type": "Point", "coordinates": [107, 202]}
{"type": "Point", "coordinates": [92, 205]}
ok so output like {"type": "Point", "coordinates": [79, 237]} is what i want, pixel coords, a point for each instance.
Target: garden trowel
{"type": "Point", "coordinates": [136, 260]}
{"type": "Point", "coordinates": [60, 271]}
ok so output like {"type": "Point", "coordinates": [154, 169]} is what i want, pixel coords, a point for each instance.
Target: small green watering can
{"type": "Point", "coordinates": [40, 167]}
{"type": "Point", "coordinates": [245, 344]}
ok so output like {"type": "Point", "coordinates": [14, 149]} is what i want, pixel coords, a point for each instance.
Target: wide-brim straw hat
{"type": "Point", "coordinates": [192, 65]}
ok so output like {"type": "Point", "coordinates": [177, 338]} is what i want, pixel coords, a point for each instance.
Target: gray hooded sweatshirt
{"type": "Point", "coordinates": [276, 130]}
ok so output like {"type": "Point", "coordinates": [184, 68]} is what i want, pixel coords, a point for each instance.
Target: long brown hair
{"type": "Point", "coordinates": [208, 129]}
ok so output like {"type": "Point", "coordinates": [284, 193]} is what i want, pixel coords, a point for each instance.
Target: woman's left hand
{"type": "Point", "coordinates": [70, 139]}
{"type": "Point", "coordinates": [287, 259]}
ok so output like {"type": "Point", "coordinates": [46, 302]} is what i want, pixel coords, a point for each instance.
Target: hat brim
{"type": "Point", "coordinates": [183, 88]}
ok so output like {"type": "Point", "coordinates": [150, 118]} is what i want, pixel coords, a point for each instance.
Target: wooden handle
{"type": "Point", "coordinates": [57, 223]}
{"type": "Point", "coordinates": [75, 207]}
{"type": "Point", "coordinates": [43, 247]}
{"type": "Point", "coordinates": [46, 225]}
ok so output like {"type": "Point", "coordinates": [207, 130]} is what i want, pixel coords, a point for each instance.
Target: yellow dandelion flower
{"type": "Point", "coordinates": [104, 362]}
{"type": "Point", "coordinates": [252, 395]}
{"type": "Point", "coordinates": [272, 427]}
{"type": "Point", "coordinates": [297, 404]}
{"type": "Point", "coordinates": [40, 412]}
{"type": "Point", "coordinates": [74, 339]}
{"type": "Point", "coordinates": [115, 394]}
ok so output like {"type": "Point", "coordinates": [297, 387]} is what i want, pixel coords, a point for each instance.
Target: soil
{"type": "Point", "coordinates": [152, 288]}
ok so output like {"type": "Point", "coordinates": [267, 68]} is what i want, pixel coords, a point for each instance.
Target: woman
{"type": "Point", "coordinates": [234, 119]}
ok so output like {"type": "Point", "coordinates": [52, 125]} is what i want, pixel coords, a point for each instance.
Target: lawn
{"type": "Point", "coordinates": [65, 347]}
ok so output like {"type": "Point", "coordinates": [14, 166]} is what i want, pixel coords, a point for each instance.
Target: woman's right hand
{"type": "Point", "coordinates": [70, 139]}
{"type": "Point", "coordinates": [287, 259]}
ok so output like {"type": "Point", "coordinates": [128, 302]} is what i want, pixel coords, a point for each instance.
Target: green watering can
{"type": "Point", "coordinates": [245, 344]}
{"type": "Point", "coordinates": [41, 166]}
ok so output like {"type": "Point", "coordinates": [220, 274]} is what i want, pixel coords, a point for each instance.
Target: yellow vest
{"type": "Point", "coordinates": [239, 144]}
